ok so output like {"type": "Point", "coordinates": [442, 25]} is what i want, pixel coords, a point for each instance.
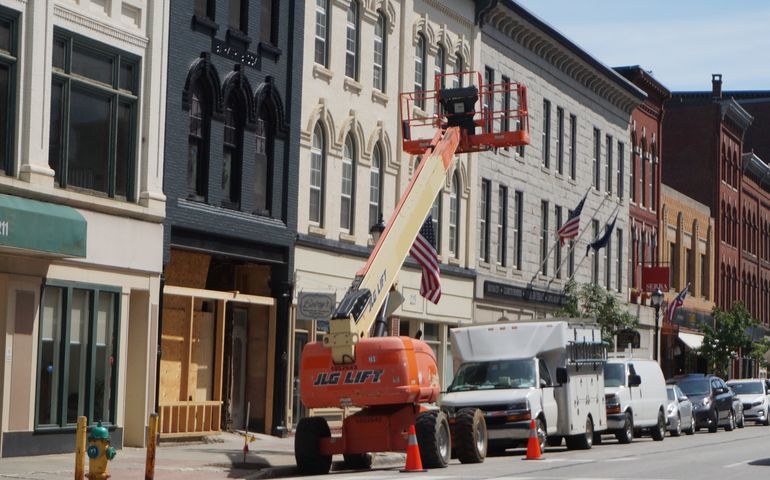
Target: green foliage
{"type": "Point", "coordinates": [730, 333]}
{"type": "Point", "coordinates": [593, 301]}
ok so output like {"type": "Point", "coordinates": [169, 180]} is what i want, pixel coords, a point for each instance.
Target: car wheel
{"type": "Point", "coordinates": [659, 431]}
{"type": "Point", "coordinates": [730, 426]}
{"type": "Point", "coordinates": [692, 429]}
{"type": "Point", "coordinates": [741, 421]}
{"type": "Point", "coordinates": [627, 434]}
{"type": "Point", "coordinates": [584, 441]}
{"type": "Point", "coordinates": [714, 421]}
{"type": "Point", "coordinates": [677, 430]}
{"type": "Point", "coordinates": [767, 418]}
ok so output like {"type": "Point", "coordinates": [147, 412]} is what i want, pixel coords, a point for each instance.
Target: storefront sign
{"type": "Point", "coordinates": [654, 278]}
{"type": "Point", "coordinates": [692, 319]}
{"type": "Point", "coordinates": [315, 306]}
{"type": "Point", "coordinates": [529, 294]}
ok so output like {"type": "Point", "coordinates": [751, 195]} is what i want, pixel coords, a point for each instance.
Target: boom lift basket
{"type": "Point", "coordinates": [489, 116]}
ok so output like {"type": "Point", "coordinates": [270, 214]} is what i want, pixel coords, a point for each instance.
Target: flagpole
{"type": "Point", "coordinates": [617, 207]}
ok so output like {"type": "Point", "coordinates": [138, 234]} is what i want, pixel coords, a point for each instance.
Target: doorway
{"type": "Point", "coordinates": [238, 368]}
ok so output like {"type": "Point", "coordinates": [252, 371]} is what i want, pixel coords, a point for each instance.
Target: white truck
{"type": "Point", "coordinates": [548, 371]}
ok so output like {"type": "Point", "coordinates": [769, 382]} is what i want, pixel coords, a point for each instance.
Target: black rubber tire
{"type": "Point", "coordinates": [691, 430]}
{"type": "Point", "coordinates": [358, 461]}
{"type": "Point", "coordinates": [741, 423]}
{"type": "Point", "coordinates": [714, 424]}
{"type": "Point", "coordinates": [658, 432]}
{"type": "Point", "coordinates": [767, 418]}
{"type": "Point", "coordinates": [597, 438]}
{"type": "Point", "coordinates": [432, 430]}
{"type": "Point", "coordinates": [730, 425]}
{"type": "Point", "coordinates": [583, 441]}
{"type": "Point", "coordinates": [627, 434]}
{"type": "Point", "coordinates": [553, 441]}
{"type": "Point", "coordinates": [307, 444]}
{"type": "Point", "coordinates": [678, 430]}
{"type": "Point", "coordinates": [470, 436]}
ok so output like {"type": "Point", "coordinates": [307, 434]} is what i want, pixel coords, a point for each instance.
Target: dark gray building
{"type": "Point", "coordinates": [231, 153]}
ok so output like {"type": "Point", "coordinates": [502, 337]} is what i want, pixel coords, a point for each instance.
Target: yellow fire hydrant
{"type": "Point", "coordinates": [99, 453]}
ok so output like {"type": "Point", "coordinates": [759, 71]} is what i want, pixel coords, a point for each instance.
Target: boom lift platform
{"type": "Point", "coordinates": [357, 365]}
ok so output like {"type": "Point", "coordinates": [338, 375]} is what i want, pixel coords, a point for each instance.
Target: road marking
{"type": "Point", "coordinates": [738, 464]}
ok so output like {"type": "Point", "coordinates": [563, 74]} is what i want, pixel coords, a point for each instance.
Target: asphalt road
{"type": "Point", "coordinates": [742, 453]}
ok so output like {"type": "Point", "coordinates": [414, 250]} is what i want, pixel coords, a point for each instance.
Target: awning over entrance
{"type": "Point", "coordinates": [692, 340]}
{"type": "Point", "coordinates": [41, 227]}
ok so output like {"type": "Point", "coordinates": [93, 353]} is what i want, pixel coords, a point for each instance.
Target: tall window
{"type": "Point", "coordinates": [232, 158]}
{"type": "Point", "coordinates": [263, 162]}
{"type": "Point", "coordinates": [93, 109]}
{"type": "Point", "coordinates": [375, 186]}
{"type": "Point", "coordinates": [7, 89]}
{"type": "Point", "coordinates": [459, 68]}
{"type": "Point", "coordinates": [317, 174]}
{"type": "Point", "coordinates": [643, 177]}
{"type": "Point", "coordinates": [502, 226]}
{"type": "Point", "coordinates": [608, 264]}
{"type": "Point", "coordinates": [597, 158]}
{"type": "Point", "coordinates": [653, 180]}
{"type": "Point", "coordinates": [238, 15]}
{"type": "Point", "coordinates": [419, 70]}
{"type": "Point", "coordinates": [197, 144]}
{"type": "Point", "coordinates": [380, 51]}
{"type": "Point", "coordinates": [322, 32]}
{"type": "Point", "coordinates": [571, 259]}
{"type": "Point", "coordinates": [204, 9]}
{"type": "Point", "coordinates": [544, 237]}
{"type": "Point", "coordinates": [77, 356]}
{"type": "Point", "coordinates": [560, 140]}
{"type": "Point", "coordinates": [348, 181]}
{"type": "Point", "coordinates": [484, 220]}
{"type": "Point", "coordinates": [594, 255]}
{"type": "Point", "coordinates": [546, 134]}
{"type": "Point", "coordinates": [573, 147]}
{"type": "Point", "coordinates": [268, 11]}
{"type": "Point", "coordinates": [439, 68]}
{"type": "Point", "coordinates": [435, 211]}
{"type": "Point", "coordinates": [454, 217]}
{"type": "Point", "coordinates": [634, 174]}
{"type": "Point", "coordinates": [518, 224]}
{"type": "Point", "coordinates": [489, 98]}
{"type": "Point", "coordinates": [621, 170]}
{"type": "Point", "coordinates": [557, 265]}
{"type": "Point", "coordinates": [704, 277]}
{"type": "Point", "coordinates": [609, 160]}
{"type": "Point", "coordinates": [673, 260]}
{"type": "Point", "coordinates": [351, 41]}
{"type": "Point", "coordinates": [506, 122]}
{"type": "Point", "coordinates": [619, 262]}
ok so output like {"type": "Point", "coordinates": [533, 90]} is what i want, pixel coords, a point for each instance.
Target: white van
{"type": "Point", "coordinates": [635, 392]}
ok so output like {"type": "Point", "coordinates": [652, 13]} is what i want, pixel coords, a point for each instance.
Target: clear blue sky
{"type": "Point", "coordinates": [681, 41]}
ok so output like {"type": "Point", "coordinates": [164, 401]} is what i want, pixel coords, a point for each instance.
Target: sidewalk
{"type": "Point", "coordinates": [218, 457]}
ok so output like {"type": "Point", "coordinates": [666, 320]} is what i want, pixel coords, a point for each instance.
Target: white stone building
{"type": "Point", "coordinates": [579, 112]}
{"type": "Point", "coordinates": [360, 54]}
{"type": "Point", "coordinates": [82, 90]}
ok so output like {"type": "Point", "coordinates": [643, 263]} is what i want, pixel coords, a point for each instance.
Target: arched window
{"type": "Point", "coordinates": [419, 69]}
{"type": "Point", "coordinates": [454, 217]}
{"type": "Point", "coordinates": [232, 157]}
{"type": "Point", "coordinates": [263, 163]}
{"type": "Point", "coordinates": [317, 174]}
{"type": "Point", "coordinates": [439, 68]}
{"type": "Point", "coordinates": [380, 51]}
{"type": "Point", "coordinates": [375, 186]}
{"type": "Point", "coordinates": [459, 68]}
{"type": "Point", "coordinates": [347, 191]}
{"type": "Point", "coordinates": [351, 41]}
{"type": "Point", "coordinates": [197, 144]}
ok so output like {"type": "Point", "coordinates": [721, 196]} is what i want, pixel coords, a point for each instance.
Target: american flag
{"type": "Point", "coordinates": [676, 303]}
{"type": "Point", "coordinates": [424, 251]}
{"type": "Point", "coordinates": [572, 225]}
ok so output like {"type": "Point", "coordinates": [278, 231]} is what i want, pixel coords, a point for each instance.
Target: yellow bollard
{"type": "Point", "coordinates": [152, 440]}
{"type": "Point", "coordinates": [80, 448]}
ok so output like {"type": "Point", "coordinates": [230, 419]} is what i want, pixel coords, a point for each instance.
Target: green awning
{"type": "Point", "coordinates": [41, 227]}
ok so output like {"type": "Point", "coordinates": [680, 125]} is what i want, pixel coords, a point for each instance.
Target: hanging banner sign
{"type": "Point", "coordinates": [654, 278]}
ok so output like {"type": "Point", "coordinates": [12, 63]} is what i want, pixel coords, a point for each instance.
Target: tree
{"type": "Point", "coordinates": [729, 334]}
{"type": "Point", "coordinates": [593, 301]}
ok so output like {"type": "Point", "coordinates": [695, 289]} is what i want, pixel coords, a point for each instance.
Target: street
{"type": "Point", "coordinates": [742, 453]}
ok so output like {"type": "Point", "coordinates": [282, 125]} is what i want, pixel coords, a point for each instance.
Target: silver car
{"type": "Point", "coordinates": [679, 412]}
{"type": "Point", "coordinates": [752, 393]}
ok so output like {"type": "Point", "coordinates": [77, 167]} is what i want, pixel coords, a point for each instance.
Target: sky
{"type": "Point", "coordinates": [682, 42]}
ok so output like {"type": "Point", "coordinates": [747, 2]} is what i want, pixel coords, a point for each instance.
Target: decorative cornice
{"type": "Point", "coordinates": [731, 110]}
{"type": "Point", "coordinates": [442, 7]}
{"type": "Point", "coordinates": [97, 26]}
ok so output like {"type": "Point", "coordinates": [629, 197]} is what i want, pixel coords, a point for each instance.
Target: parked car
{"type": "Point", "coordinates": [679, 412]}
{"type": "Point", "coordinates": [711, 398]}
{"type": "Point", "coordinates": [635, 392]}
{"type": "Point", "coordinates": [752, 393]}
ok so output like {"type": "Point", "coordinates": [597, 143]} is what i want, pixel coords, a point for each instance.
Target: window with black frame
{"type": "Point", "coordinates": [8, 45]}
{"type": "Point", "coordinates": [232, 155]}
{"type": "Point", "coordinates": [94, 97]}
{"type": "Point", "coordinates": [77, 355]}
{"type": "Point", "coordinates": [265, 136]}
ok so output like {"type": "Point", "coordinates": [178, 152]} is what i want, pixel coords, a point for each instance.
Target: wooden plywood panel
{"type": "Point", "coordinates": [187, 269]}
{"type": "Point", "coordinates": [202, 366]}
{"type": "Point", "coordinates": [173, 353]}
{"type": "Point", "coordinates": [256, 377]}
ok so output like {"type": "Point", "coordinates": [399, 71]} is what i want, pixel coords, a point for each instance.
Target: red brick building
{"type": "Point", "coordinates": [644, 191]}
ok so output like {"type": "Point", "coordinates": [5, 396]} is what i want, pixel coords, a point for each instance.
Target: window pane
{"type": "Point", "coordinates": [58, 53]}
{"type": "Point", "coordinates": [234, 14]}
{"type": "Point", "coordinates": [89, 141]}
{"type": "Point", "coordinates": [92, 65]}
{"type": "Point", "coordinates": [127, 77]}
{"type": "Point", "coordinates": [266, 21]}
{"type": "Point", "coordinates": [430, 332]}
{"type": "Point", "coordinates": [262, 160]}
{"type": "Point", "coordinates": [351, 43]}
{"type": "Point", "coordinates": [346, 207]}
{"type": "Point", "coordinates": [49, 368]}
{"type": "Point", "coordinates": [4, 112]}
{"type": "Point", "coordinates": [200, 8]}
{"type": "Point", "coordinates": [104, 360]}
{"type": "Point", "coordinates": [55, 137]}
{"type": "Point", "coordinates": [123, 153]}
{"type": "Point", "coordinates": [76, 354]}
{"type": "Point", "coordinates": [374, 187]}
{"type": "Point", "coordinates": [379, 53]}
{"type": "Point", "coordinates": [320, 31]}
{"type": "Point", "coordinates": [5, 35]}
{"type": "Point", "coordinates": [316, 176]}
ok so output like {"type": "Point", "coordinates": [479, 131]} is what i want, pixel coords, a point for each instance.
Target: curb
{"type": "Point", "coordinates": [381, 460]}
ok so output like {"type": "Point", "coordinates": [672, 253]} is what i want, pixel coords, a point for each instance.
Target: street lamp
{"type": "Point", "coordinates": [377, 229]}
{"type": "Point", "coordinates": [657, 300]}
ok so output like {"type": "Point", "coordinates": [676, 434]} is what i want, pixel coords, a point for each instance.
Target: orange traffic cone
{"type": "Point", "coordinates": [533, 444]}
{"type": "Point", "coordinates": [413, 461]}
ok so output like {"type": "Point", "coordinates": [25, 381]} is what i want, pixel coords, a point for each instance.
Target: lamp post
{"type": "Point", "coordinates": [657, 300]}
{"type": "Point", "coordinates": [377, 229]}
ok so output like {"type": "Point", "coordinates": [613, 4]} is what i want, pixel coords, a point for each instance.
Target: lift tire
{"type": "Point", "coordinates": [470, 436]}
{"type": "Point", "coordinates": [358, 461]}
{"type": "Point", "coordinates": [307, 446]}
{"type": "Point", "coordinates": [433, 439]}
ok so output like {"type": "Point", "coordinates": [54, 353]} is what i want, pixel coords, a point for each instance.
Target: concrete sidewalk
{"type": "Point", "coordinates": [216, 457]}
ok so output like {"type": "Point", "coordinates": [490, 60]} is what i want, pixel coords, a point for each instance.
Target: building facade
{"type": "Point", "coordinates": [352, 167]}
{"type": "Point", "coordinates": [687, 245]}
{"type": "Point", "coordinates": [82, 206]}
{"type": "Point", "coordinates": [231, 169]}
{"type": "Point", "coordinates": [579, 112]}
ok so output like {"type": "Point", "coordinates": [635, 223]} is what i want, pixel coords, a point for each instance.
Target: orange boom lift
{"type": "Point", "coordinates": [356, 364]}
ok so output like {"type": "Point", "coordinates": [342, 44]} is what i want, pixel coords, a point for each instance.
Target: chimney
{"type": "Point", "coordinates": [716, 85]}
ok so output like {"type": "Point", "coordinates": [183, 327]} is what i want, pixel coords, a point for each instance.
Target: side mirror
{"type": "Point", "coordinates": [543, 383]}
{"type": "Point", "coordinates": [561, 375]}
{"type": "Point", "coordinates": [683, 398]}
{"type": "Point", "coordinates": [720, 390]}
{"type": "Point", "coordinates": [767, 391]}
{"type": "Point", "coordinates": [634, 380]}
